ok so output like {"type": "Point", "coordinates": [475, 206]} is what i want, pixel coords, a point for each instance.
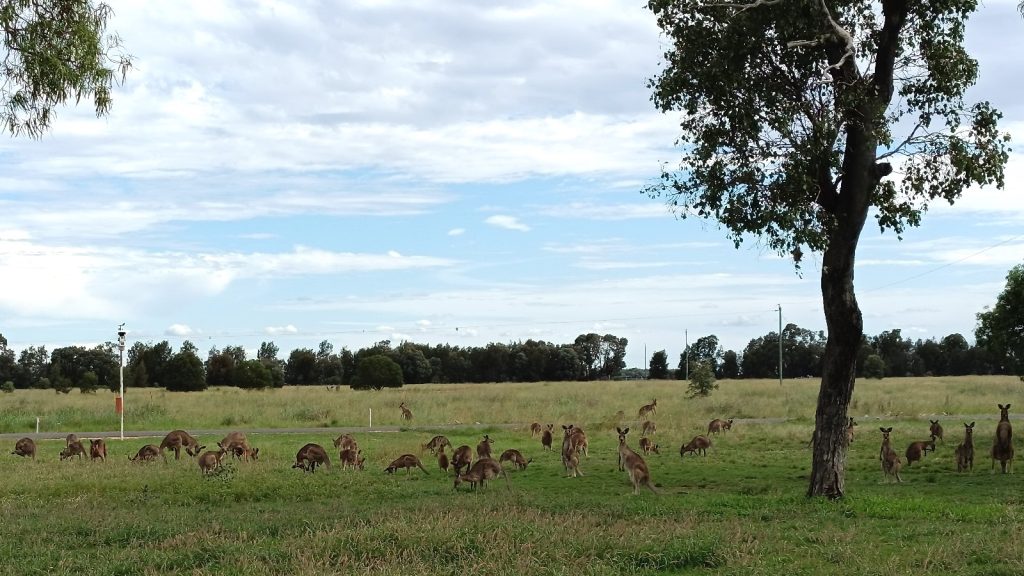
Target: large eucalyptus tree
{"type": "Point", "coordinates": [799, 118]}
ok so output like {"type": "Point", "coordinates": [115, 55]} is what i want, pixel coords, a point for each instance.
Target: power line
{"type": "Point", "coordinates": [946, 265]}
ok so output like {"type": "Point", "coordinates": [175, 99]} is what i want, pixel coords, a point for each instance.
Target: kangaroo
{"type": "Point", "coordinates": [238, 445]}
{"type": "Point", "coordinates": [147, 453]}
{"type": "Point", "coordinates": [535, 429]}
{"type": "Point", "coordinates": [483, 449]}
{"type": "Point", "coordinates": [484, 469]}
{"type": "Point", "coordinates": [849, 431]}
{"type": "Point", "coordinates": [245, 453]}
{"type": "Point", "coordinates": [69, 439]}
{"type": "Point", "coordinates": [648, 428]}
{"type": "Point", "coordinates": [98, 449]}
{"type": "Point", "coordinates": [25, 447]}
{"type": "Point", "coordinates": [936, 430]}
{"type": "Point", "coordinates": [352, 458]}
{"type": "Point", "coordinates": [346, 441]}
{"type": "Point", "coordinates": [436, 443]}
{"type": "Point", "coordinates": [633, 464]}
{"type": "Point", "coordinates": [1002, 446]}
{"type": "Point", "coordinates": [210, 461]}
{"type": "Point", "coordinates": [310, 456]}
{"type": "Point", "coordinates": [965, 451]}
{"type": "Point", "coordinates": [570, 456]}
{"type": "Point", "coordinates": [646, 409]}
{"type": "Point", "coordinates": [516, 457]}
{"type": "Point", "coordinates": [890, 459]}
{"type": "Point", "coordinates": [917, 450]}
{"type": "Point", "coordinates": [406, 413]}
{"type": "Point", "coordinates": [73, 449]}
{"type": "Point", "coordinates": [442, 460]}
{"type": "Point", "coordinates": [698, 444]}
{"type": "Point", "coordinates": [717, 425]}
{"type": "Point", "coordinates": [462, 458]}
{"type": "Point", "coordinates": [648, 446]}
{"type": "Point", "coordinates": [178, 439]}
{"type": "Point", "coordinates": [407, 461]}
{"type": "Point", "coordinates": [579, 441]}
{"type": "Point", "coordinates": [547, 437]}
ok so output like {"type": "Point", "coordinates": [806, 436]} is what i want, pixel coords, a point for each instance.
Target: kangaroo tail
{"type": "Point", "coordinates": [507, 483]}
{"type": "Point", "coordinates": [424, 469]}
{"type": "Point", "coordinates": [651, 487]}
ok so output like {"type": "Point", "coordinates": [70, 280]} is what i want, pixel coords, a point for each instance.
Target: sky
{"type": "Point", "coordinates": [453, 172]}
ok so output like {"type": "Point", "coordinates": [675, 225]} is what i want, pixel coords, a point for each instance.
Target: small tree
{"type": "Point", "coordinates": [659, 366]}
{"type": "Point", "coordinates": [7, 387]}
{"type": "Point", "coordinates": [253, 375]}
{"type": "Point", "coordinates": [90, 383]}
{"type": "Point", "coordinates": [376, 372]}
{"type": "Point", "coordinates": [702, 380]}
{"type": "Point", "coordinates": [874, 367]}
{"type": "Point", "coordinates": [62, 384]}
{"type": "Point", "coordinates": [185, 373]}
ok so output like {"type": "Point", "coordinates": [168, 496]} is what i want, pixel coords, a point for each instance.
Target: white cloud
{"type": "Point", "coordinates": [279, 330]}
{"type": "Point", "coordinates": [507, 222]}
{"type": "Point", "coordinates": [588, 211]}
{"type": "Point", "coordinates": [456, 231]}
{"type": "Point", "coordinates": [179, 330]}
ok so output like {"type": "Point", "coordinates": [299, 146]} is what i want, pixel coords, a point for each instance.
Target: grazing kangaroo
{"type": "Point", "coordinates": [462, 458]}
{"type": "Point", "coordinates": [483, 449]}
{"type": "Point", "coordinates": [147, 453]}
{"type": "Point", "coordinates": [25, 447]}
{"type": "Point", "coordinates": [407, 461]}
{"type": "Point", "coordinates": [890, 459]}
{"type": "Point", "coordinates": [634, 464]}
{"type": "Point", "coordinates": [352, 458]}
{"type": "Point", "coordinates": [310, 456]}
{"type": "Point", "coordinates": [73, 449]}
{"type": "Point", "coordinates": [238, 445]}
{"type": "Point", "coordinates": [648, 446]}
{"type": "Point", "coordinates": [936, 430]}
{"type": "Point", "coordinates": [245, 453]}
{"type": "Point", "coordinates": [648, 428]}
{"type": "Point", "coordinates": [547, 437]}
{"type": "Point", "coordinates": [917, 450]}
{"type": "Point", "coordinates": [69, 439]}
{"type": "Point", "coordinates": [406, 413]}
{"type": "Point", "coordinates": [535, 429]}
{"type": "Point", "coordinates": [1002, 446]}
{"type": "Point", "coordinates": [210, 461]}
{"type": "Point", "coordinates": [442, 460]}
{"type": "Point", "coordinates": [346, 441]}
{"type": "Point", "coordinates": [965, 451]}
{"type": "Point", "coordinates": [516, 457]}
{"type": "Point", "coordinates": [570, 456]}
{"type": "Point", "coordinates": [646, 409]}
{"type": "Point", "coordinates": [178, 439]}
{"type": "Point", "coordinates": [483, 470]}
{"type": "Point", "coordinates": [698, 444]}
{"type": "Point", "coordinates": [436, 443]}
{"type": "Point", "coordinates": [98, 449]}
{"type": "Point", "coordinates": [718, 425]}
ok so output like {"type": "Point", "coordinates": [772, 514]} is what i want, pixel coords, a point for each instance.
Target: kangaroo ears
{"type": "Point", "coordinates": [884, 431]}
{"type": "Point", "coordinates": [1001, 407]}
{"type": "Point", "coordinates": [971, 425]}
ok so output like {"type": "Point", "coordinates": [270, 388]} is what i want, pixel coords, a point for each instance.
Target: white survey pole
{"type": "Point", "coordinates": [371, 420]}
{"type": "Point", "coordinates": [120, 397]}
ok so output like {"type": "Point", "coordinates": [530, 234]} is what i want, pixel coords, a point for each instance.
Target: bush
{"type": "Point", "coordinates": [62, 385]}
{"type": "Point", "coordinates": [874, 367]}
{"type": "Point", "coordinates": [7, 387]}
{"type": "Point", "coordinates": [377, 372]}
{"type": "Point", "coordinates": [702, 380]}
{"type": "Point", "coordinates": [253, 375]}
{"type": "Point", "coordinates": [90, 383]}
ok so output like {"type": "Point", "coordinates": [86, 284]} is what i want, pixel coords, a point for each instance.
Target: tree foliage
{"type": "Point", "coordinates": [184, 372]}
{"type": "Point", "coordinates": [1001, 328]}
{"type": "Point", "coordinates": [55, 51]}
{"type": "Point", "coordinates": [658, 369]}
{"type": "Point", "coordinates": [376, 372]}
{"type": "Point", "coordinates": [702, 379]}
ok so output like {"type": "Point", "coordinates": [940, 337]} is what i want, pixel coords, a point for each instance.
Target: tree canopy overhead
{"type": "Point", "coordinates": [55, 51]}
{"type": "Point", "coordinates": [795, 114]}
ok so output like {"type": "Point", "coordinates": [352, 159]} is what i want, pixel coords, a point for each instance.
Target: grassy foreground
{"type": "Point", "coordinates": [741, 510]}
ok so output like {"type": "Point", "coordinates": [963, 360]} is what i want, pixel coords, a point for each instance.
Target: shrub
{"type": "Point", "coordinates": [702, 380]}
{"type": "Point", "coordinates": [7, 387]}
{"type": "Point", "coordinates": [874, 367]}
{"type": "Point", "coordinates": [90, 383]}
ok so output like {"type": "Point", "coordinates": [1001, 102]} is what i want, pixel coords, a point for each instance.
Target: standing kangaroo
{"type": "Point", "coordinates": [98, 449]}
{"type": "Point", "coordinates": [483, 449]}
{"type": "Point", "coordinates": [406, 413]}
{"type": "Point", "coordinates": [546, 438]}
{"type": "Point", "coordinates": [936, 430]}
{"type": "Point", "coordinates": [634, 464]}
{"type": "Point", "coordinates": [648, 428]}
{"type": "Point", "coordinates": [436, 443]}
{"type": "Point", "coordinates": [25, 447]}
{"type": "Point", "coordinates": [535, 429]}
{"type": "Point", "coordinates": [70, 438]}
{"type": "Point", "coordinates": [210, 461]}
{"type": "Point", "coordinates": [178, 439]}
{"type": "Point", "coordinates": [965, 451]}
{"type": "Point", "coordinates": [442, 460]}
{"type": "Point", "coordinates": [890, 459]}
{"type": "Point", "coordinates": [570, 456]}
{"type": "Point", "coordinates": [1002, 446]}
{"type": "Point", "coordinates": [849, 431]}
{"type": "Point", "coordinates": [407, 461]}
{"type": "Point", "coordinates": [646, 409]}
{"type": "Point", "coordinates": [345, 442]}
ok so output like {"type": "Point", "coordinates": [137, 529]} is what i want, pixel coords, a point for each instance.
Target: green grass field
{"type": "Point", "coordinates": [741, 510]}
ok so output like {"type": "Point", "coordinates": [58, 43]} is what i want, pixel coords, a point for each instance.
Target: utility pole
{"type": "Point", "coordinates": [780, 344]}
{"type": "Point", "coordinates": [119, 403]}
{"type": "Point", "coordinates": [686, 336]}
